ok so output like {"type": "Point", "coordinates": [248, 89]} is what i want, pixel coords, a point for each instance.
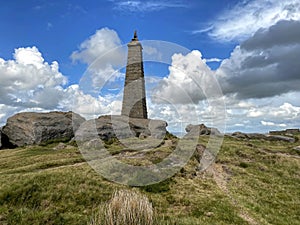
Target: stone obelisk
{"type": "Point", "coordinates": [134, 97]}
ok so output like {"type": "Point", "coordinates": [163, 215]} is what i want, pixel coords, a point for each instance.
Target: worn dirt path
{"type": "Point", "coordinates": [221, 178]}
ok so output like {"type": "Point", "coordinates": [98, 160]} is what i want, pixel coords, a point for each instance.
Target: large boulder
{"type": "Point", "coordinates": [35, 128]}
{"type": "Point", "coordinates": [120, 127]}
{"type": "Point", "coordinates": [201, 129]}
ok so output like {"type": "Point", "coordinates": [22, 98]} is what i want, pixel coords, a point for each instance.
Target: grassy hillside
{"type": "Point", "coordinates": [252, 182]}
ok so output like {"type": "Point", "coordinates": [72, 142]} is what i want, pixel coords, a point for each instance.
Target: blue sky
{"type": "Point", "coordinates": [250, 47]}
{"type": "Point", "coordinates": [58, 27]}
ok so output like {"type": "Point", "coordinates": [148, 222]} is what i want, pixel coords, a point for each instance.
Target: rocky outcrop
{"type": "Point", "coordinates": [201, 129]}
{"type": "Point", "coordinates": [280, 138]}
{"type": "Point", "coordinates": [35, 128]}
{"type": "Point", "coordinates": [120, 127]}
{"type": "Point", "coordinates": [285, 132]}
{"type": "Point", "coordinates": [239, 135]}
{"type": "Point", "coordinates": [257, 136]}
{"type": "Point", "coordinates": [267, 137]}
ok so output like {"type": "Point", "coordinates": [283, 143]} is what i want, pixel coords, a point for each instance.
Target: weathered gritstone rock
{"type": "Point", "coordinates": [297, 148]}
{"type": "Point", "coordinates": [132, 133]}
{"type": "Point", "coordinates": [267, 137]}
{"type": "Point", "coordinates": [120, 127]}
{"type": "Point", "coordinates": [280, 138]}
{"type": "Point", "coordinates": [201, 129]}
{"type": "Point", "coordinates": [94, 128]}
{"type": "Point", "coordinates": [285, 132]}
{"type": "Point", "coordinates": [239, 135]}
{"type": "Point", "coordinates": [35, 128]}
{"type": "Point", "coordinates": [200, 149]}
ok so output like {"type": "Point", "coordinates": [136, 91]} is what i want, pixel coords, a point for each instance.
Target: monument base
{"type": "Point", "coordinates": [131, 132]}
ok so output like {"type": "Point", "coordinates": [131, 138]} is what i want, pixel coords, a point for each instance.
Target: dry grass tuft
{"type": "Point", "coordinates": [125, 207]}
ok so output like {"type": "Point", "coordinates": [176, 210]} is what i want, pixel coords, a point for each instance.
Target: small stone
{"type": "Point", "coordinates": [297, 148]}
{"type": "Point", "coordinates": [209, 214]}
{"type": "Point", "coordinates": [143, 136]}
{"type": "Point", "coordinates": [60, 146]}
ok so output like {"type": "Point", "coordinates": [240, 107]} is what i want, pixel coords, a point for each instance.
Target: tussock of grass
{"type": "Point", "coordinates": [125, 207]}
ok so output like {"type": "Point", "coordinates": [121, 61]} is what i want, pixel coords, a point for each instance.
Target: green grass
{"type": "Point", "coordinates": [261, 183]}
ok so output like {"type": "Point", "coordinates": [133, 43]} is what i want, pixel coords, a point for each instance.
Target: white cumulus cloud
{"type": "Point", "coordinates": [89, 106]}
{"type": "Point", "coordinates": [101, 44]}
{"type": "Point", "coordinates": [25, 79]}
{"type": "Point", "coordinates": [190, 80]}
{"type": "Point", "coordinates": [261, 115]}
{"type": "Point", "coordinates": [104, 55]}
{"type": "Point", "coordinates": [272, 124]}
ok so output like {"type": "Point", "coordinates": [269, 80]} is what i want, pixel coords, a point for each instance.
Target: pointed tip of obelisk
{"type": "Point", "coordinates": [135, 37]}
